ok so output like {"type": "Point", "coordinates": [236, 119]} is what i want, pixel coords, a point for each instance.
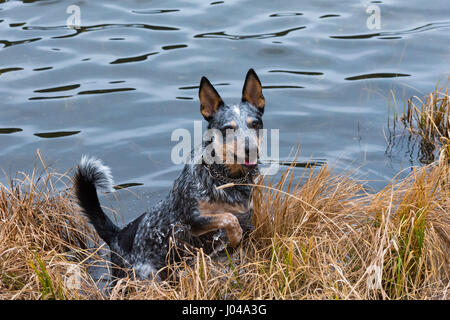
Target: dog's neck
{"type": "Point", "coordinates": [223, 174]}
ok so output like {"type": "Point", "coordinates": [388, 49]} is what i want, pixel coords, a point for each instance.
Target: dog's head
{"type": "Point", "coordinates": [234, 129]}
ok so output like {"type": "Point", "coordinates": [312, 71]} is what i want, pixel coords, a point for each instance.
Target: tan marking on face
{"type": "Point", "coordinates": [230, 150]}
{"type": "Point", "coordinates": [233, 124]}
{"type": "Point", "coordinates": [249, 121]}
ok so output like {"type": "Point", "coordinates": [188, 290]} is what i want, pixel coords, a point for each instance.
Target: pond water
{"type": "Point", "coordinates": [118, 86]}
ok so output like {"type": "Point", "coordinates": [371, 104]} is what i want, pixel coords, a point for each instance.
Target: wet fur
{"type": "Point", "coordinates": [194, 213]}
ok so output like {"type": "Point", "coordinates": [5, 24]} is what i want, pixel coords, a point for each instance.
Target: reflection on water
{"type": "Point", "coordinates": [127, 185]}
{"type": "Point", "coordinates": [397, 34]}
{"type": "Point", "coordinates": [56, 89]}
{"type": "Point", "coordinates": [58, 134]}
{"type": "Point", "coordinates": [133, 59]}
{"type": "Point", "coordinates": [377, 75]}
{"type": "Point", "coordinates": [306, 73]}
{"type": "Point", "coordinates": [9, 130]}
{"type": "Point", "coordinates": [117, 86]}
{"type": "Point", "coordinates": [225, 35]}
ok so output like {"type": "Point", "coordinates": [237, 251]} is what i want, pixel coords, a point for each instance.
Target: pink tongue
{"type": "Point", "coordinates": [249, 164]}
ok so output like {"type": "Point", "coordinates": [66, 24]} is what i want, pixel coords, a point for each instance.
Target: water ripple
{"type": "Point", "coordinates": [224, 35]}
{"type": "Point", "coordinates": [57, 89]}
{"type": "Point", "coordinates": [49, 98]}
{"type": "Point", "coordinates": [306, 73]}
{"type": "Point", "coordinates": [56, 134]}
{"type": "Point", "coordinates": [127, 185]}
{"type": "Point", "coordinates": [283, 87]}
{"type": "Point", "coordinates": [5, 70]}
{"type": "Point", "coordinates": [175, 46]}
{"type": "Point", "coordinates": [9, 130]}
{"type": "Point", "coordinates": [7, 43]}
{"type": "Point", "coordinates": [133, 59]}
{"type": "Point", "coordinates": [397, 34]}
{"type": "Point", "coordinates": [102, 91]}
{"type": "Point", "coordinates": [100, 27]}
{"type": "Point", "coordinates": [329, 16]}
{"type": "Point", "coordinates": [43, 69]}
{"type": "Point", "coordinates": [286, 14]}
{"type": "Point", "coordinates": [377, 75]}
{"type": "Point", "coordinates": [150, 11]}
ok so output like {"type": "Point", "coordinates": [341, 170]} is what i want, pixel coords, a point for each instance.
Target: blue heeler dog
{"type": "Point", "coordinates": [195, 212]}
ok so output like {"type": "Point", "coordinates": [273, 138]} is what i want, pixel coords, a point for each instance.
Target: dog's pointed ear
{"type": "Point", "coordinates": [210, 101]}
{"type": "Point", "coordinates": [252, 91]}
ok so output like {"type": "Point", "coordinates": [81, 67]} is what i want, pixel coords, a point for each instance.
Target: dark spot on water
{"type": "Point", "coordinates": [307, 73]}
{"type": "Point", "coordinates": [216, 2]}
{"type": "Point", "coordinates": [127, 185]}
{"type": "Point", "coordinates": [329, 16]}
{"type": "Point", "coordinates": [9, 70]}
{"type": "Point", "coordinates": [9, 130]}
{"type": "Point", "coordinates": [377, 75]}
{"type": "Point", "coordinates": [176, 46]}
{"type": "Point", "coordinates": [42, 69]}
{"type": "Point", "coordinates": [390, 38]}
{"type": "Point", "coordinates": [49, 98]}
{"type": "Point", "coordinates": [155, 11]}
{"type": "Point", "coordinates": [286, 14]}
{"type": "Point", "coordinates": [102, 91]}
{"type": "Point", "coordinates": [56, 134]}
{"type": "Point", "coordinates": [118, 81]}
{"type": "Point", "coordinates": [357, 36]}
{"type": "Point", "coordinates": [133, 59]}
{"type": "Point", "coordinates": [57, 89]}
{"type": "Point", "coordinates": [116, 39]}
{"type": "Point", "coordinates": [283, 87]}
{"type": "Point", "coordinates": [184, 98]}
{"type": "Point", "coordinates": [13, 25]}
{"type": "Point", "coordinates": [7, 43]}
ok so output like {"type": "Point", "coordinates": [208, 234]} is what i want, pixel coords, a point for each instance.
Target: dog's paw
{"type": "Point", "coordinates": [234, 233]}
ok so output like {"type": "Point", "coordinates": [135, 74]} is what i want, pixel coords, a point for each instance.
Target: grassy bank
{"type": "Point", "coordinates": [328, 238]}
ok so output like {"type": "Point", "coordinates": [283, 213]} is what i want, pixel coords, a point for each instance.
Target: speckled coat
{"type": "Point", "coordinates": [194, 213]}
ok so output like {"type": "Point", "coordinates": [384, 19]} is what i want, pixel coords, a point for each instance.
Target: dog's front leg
{"type": "Point", "coordinates": [206, 219]}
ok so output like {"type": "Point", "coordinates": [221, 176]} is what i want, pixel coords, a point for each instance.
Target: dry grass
{"type": "Point", "coordinates": [40, 238]}
{"type": "Point", "coordinates": [322, 236]}
{"type": "Point", "coordinates": [325, 239]}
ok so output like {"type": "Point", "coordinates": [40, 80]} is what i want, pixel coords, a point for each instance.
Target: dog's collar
{"type": "Point", "coordinates": [224, 177]}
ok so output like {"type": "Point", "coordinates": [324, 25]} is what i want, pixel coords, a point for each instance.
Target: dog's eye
{"type": "Point", "coordinates": [254, 124]}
